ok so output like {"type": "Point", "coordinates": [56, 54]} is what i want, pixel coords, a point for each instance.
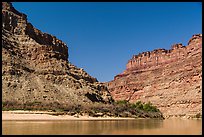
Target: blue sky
{"type": "Point", "coordinates": [103, 36]}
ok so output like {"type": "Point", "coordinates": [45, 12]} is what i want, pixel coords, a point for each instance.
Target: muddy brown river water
{"type": "Point", "coordinates": [104, 127]}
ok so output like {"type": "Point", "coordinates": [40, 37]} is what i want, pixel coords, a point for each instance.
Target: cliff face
{"type": "Point", "coordinates": [35, 67]}
{"type": "Point", "coordinates": [170, 79]}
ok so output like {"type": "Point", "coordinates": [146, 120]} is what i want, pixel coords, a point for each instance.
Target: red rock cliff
{"type": "Point", "coordinates": [16, 23]}
{"type": "Point", "coordinates": [170, 79]}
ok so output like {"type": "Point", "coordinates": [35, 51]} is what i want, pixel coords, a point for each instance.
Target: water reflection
{"type": "Point", "coordinates": [138, 126]}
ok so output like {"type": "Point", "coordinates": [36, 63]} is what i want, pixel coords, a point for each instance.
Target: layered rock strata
{"type": "Point", "coordinates": [35, 67]}
{"type": "Point", "coordinates": [170, 79]}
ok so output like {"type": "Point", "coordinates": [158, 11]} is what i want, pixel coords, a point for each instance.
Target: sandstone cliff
{"type": "Point", "coordinates": [35, 67]}
{"type": "Point", "coordinates": [36, 74]}
{"type": "Point", "coordinates": [170, 79]}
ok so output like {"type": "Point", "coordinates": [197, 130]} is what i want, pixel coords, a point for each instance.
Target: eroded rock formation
{"type": "Point", "coordinates": [170, 79]}
{"type": "Point", "coordinates": [35, 67]}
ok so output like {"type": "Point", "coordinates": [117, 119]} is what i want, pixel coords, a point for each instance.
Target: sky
{"type": "Point", "coordinates": [103, 36]}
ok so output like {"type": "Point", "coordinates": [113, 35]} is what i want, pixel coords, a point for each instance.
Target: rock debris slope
{"type": "Point", "coordinates": [36, 69]}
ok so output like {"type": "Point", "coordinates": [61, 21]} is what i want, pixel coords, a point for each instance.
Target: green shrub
{"type": "Point", "coordinates": [149, 107]}
{"type": "Point", "coordinates": [144, 106]}
{"type": "Point", "coordinates": [122, 102]}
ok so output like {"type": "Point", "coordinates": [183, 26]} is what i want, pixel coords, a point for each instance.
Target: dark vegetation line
{"type": "Point", "coordinates": [117, 109]}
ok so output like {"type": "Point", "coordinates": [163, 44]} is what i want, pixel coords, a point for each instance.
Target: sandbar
{"type": "Point", "coordinates": [46, 115]}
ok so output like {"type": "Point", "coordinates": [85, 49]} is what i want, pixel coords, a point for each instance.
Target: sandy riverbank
{"type": "Point", "coordinates": [45, 115]}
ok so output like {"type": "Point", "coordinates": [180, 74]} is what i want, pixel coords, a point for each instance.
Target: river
{"type": "Point", "coordinates": [104, 127]}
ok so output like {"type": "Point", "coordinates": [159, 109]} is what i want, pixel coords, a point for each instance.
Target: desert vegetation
{"type": "Point", "coordinates": [115, 109]}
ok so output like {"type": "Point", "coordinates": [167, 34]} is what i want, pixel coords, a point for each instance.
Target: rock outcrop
{"type": "Point", "coordinates": [170, 79]}
{"type": "Point", "coordinates": [35, 67]}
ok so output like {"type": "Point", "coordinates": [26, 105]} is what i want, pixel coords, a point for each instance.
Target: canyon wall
{"type": "Point", "coordinates": [35, 67]}
{"type": "Point", "coordinates": [170, 79]}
